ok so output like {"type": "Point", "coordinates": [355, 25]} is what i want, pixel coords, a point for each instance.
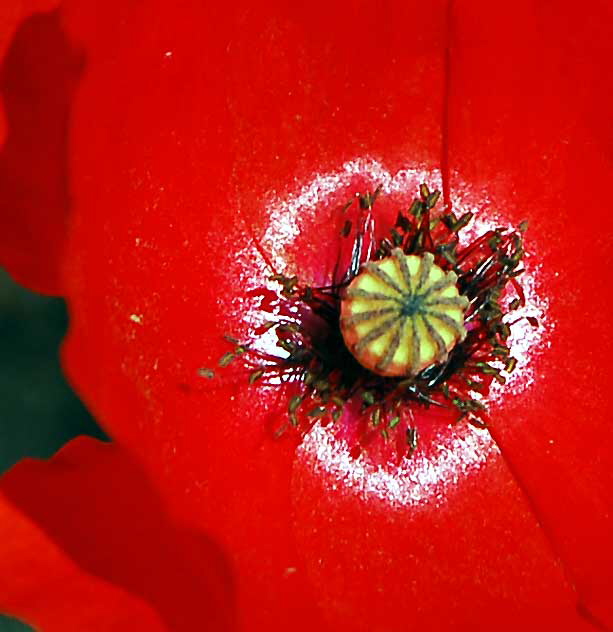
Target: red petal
{"type": "Point", "coordinates": [12, 13]}
{"type": "Point", "coordinates": [447, 542]}
{"type": "Point", "coordinates": [530, 123]}
{"type": "Point", "coordinates": [37, 80]}
{"type": "Point", "coordinates": [42, 584]}
{"type": "Point", "coordinates": [97, 508]}
{"type": "Point", "coordinates": [198, 124]}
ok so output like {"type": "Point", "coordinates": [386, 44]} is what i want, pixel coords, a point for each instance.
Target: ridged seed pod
{"type": "Point", "coordinates": [402, 314]}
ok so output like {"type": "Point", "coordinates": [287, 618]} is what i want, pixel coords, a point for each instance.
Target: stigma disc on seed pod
{"type": "Point", "coordinates": [402, 314]}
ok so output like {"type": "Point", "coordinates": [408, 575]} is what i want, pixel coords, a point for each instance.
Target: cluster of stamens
{"type": "Point", "coordinates": [422, 322]}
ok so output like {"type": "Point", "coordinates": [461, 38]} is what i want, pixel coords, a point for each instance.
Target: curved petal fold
{"type": "Point", "coordinates": [90, 516]}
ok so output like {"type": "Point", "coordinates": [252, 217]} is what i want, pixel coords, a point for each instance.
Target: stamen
{"type": "Point", "coordinates": [416, 305]}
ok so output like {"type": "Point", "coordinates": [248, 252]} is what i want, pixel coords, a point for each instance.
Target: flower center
{"type": "Point", "coordinates": [402, 314]}
{"type": "Point", "coordinates": [421, 321]}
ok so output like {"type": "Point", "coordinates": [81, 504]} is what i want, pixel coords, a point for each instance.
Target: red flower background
{"type": "Point", "coordinates": [148, 159]}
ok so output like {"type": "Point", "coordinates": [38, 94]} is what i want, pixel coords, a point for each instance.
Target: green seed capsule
{"type": "Point", "coordinates": [402, 314]}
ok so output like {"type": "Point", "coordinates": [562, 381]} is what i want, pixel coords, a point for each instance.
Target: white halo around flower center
{"type": "Point", "coordinates": [419, 478]}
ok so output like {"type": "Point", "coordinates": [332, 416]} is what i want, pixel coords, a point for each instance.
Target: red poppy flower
{"type": "Point", "coordinates": [205, 139]}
